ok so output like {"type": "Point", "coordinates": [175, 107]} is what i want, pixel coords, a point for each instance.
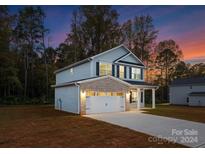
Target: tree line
{"type": "Point", "coordinates": [27, 61]}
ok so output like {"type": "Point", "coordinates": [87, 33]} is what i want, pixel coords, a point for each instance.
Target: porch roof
{"type": "Point", "coordinates": [141, 84]}
{"type": "Point", "coordinates": [201, 93]}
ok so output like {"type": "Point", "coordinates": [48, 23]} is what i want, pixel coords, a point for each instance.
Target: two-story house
{"type": "Point", "coordinates": [112, 81]}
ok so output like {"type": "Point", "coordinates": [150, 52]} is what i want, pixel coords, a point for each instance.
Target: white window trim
{"type": "Point", "coordinates": [103, 62]}
{"type": "Point", "coordinates": [123, 75]}
{"type": "Point", "coordinates": [135, 73]}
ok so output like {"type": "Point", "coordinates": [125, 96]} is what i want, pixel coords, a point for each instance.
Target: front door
{"type": "Point", "coordinates": [134, 98]}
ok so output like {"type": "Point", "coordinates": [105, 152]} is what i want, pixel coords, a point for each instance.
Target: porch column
{"type": "Point", "coordinates": [143, 97]}
{"type": "Point", "coordinates": [138, 98]}
{"type": "Point", "coordinates": [153, 98]}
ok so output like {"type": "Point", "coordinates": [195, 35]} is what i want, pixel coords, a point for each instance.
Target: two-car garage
{"type": "Point", "coordinates": [107, 103]}
{"type": "Point", "coordinates": [101, 95]}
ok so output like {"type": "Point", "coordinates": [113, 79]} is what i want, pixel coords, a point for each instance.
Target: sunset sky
{"type": "Point", "coordinates": [184, 24]}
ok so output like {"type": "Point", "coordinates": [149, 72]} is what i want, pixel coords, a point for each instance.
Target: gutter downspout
{"type": "Point", "coordinates": [78, 97]}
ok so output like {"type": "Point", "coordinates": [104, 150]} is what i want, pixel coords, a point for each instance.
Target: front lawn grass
{"type": "Point", "coordinates": [42, 126]}
{"type": "Point", "coordinates": [196, 114]}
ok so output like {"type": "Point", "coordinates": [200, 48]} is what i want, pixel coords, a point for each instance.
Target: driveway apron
{"type": "Point", "coordinates": [188, 133]}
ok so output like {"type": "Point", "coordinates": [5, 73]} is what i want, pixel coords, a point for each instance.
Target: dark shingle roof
{"type": "Point", "coordinates": [137, 64]}
{"type": "Point", "coordinates": [197, 94]}
{"type": "Point", "coordinates": [188, 81]}
{"type": "Point", "coordinates": [138, 83]}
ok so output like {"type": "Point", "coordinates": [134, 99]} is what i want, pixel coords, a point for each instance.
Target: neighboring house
{"type": "Point", "coordinates": [112, 81]}
{"type": "Point", "coordinates": [190, 91]}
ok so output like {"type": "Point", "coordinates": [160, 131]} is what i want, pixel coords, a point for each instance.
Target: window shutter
{"type": "Point", "coordinates": [142, 74]}
{"type": "Point", "coordinates": [130, 72]}
{"type": "Point", "coordinates": [97, 69]}
{"type": "Point", "coordinates": [125, 72]}
{"type": "Point", "coordinates": [118, 71]}
{"type": "Point", "coordinates": [113, 70]}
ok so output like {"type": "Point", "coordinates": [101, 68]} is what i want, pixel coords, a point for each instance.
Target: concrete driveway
{"type": "Point", "coordinates": [184, 132]}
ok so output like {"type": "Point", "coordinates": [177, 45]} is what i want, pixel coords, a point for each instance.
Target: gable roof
{"type": "Point", "coordinates": [133, 55]}
{"type": "Point", "coordinates": [188, 81]}
{"type": "Point", "coordinates": [90, 80]}
{"type": "Point", "coordinates": [104, 77]}
{"type": "Point", "coordinates": [92, 57]}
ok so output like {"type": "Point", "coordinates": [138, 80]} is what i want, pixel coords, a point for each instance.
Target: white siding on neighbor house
{"type": "Point", "coordinates": [178, 94]}
{"type": "Point", "coordinates": [66, 99]}
{"type": "Point", "coordinates": [79, 72]}
{"type": "Point", "coordinates": [197, 101]}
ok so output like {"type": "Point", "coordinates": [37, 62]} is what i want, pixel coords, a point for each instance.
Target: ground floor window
{"type": "Point", "coordinates": [117, 94]}
{"type": "Point", "coordinates": [101, 93]}
{"type": "Point", "coordinates": [90, 93]}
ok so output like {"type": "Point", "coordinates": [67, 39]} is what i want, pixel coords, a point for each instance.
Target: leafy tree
{"type": "Point", "coordinates": [9, 81]}
{"type": "Point", "coordinates": [94, 29]}
{"type": "Point", "coordinates": [128, 34]}
{"type": "Point", "coordinates": [140, 35]}
{"type": "Point", "coordinates": [197, 70]}
{"type": "Point", "coordinates": [29, 33]}
{"type": "Point", "coordinates": [181, 70]}
{"type": "Point", "coordinates": [6, 22]}
{"type": "Point", "coordinates": [65, 55]}
{"type": "Point", "coordinates": [145, 35]}
{"type": "Point", "coordinates": [51, 55]}
{"type": "Point", "coordinates": [168, 56]}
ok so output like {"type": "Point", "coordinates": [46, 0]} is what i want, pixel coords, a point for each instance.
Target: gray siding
{"type": "Point", "coordinates": [110, 57]}
{"type": "Point", "coordinates": [197, 101]}
{"type": "Point", "coordinates": [66, 99]}
{"type": "Point", "coordinates": [79, 72]}
{"type": "Point", "coordinates": [88, 69]}
{"type": "Point", "coordinates": [178, 94]}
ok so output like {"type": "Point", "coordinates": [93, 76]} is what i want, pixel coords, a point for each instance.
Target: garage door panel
{"type": "Point", "coordinates": [102, 104]}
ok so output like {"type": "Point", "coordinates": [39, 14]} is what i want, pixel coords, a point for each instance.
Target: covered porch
{"type": "Point", "coordinates": [137, 95]}
{"type": "Point", "coordinates": [137, 98]}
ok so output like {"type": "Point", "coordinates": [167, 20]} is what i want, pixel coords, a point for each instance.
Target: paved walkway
{"type": "Point", "coordinates": [184, 132]}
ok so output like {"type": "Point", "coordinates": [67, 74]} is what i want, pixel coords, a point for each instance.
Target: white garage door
{"type": "Point", "coordinates": [102, 104]}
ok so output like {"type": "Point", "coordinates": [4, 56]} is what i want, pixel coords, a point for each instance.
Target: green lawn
{"type": "Point", "coordinates": [42, 126]}
{"type": "Point", "coordinates": [180, 112]}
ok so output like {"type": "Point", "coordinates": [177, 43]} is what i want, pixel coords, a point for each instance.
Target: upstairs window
{"type": "Point", "coordinates": [136, 73]}
{"type": "Point", "coordinates": [121, 72]}
{"type": "Point", "coordinates": [105, 69]}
